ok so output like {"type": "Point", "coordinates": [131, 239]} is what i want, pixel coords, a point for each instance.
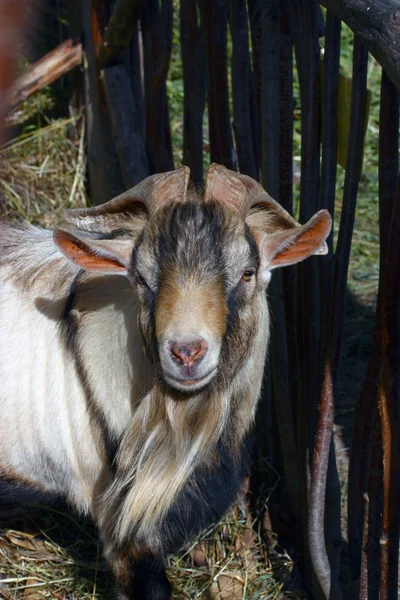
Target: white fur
{"type": "Point", "coordinates": [45, 419]}
{"type": "Point", "coordinates": [47, 433]}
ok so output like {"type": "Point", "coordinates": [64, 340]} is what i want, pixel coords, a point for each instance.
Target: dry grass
{"type": "Point", "coordinates": [42, 172]}
{"type": "Point", "coordinates": [49, 553]}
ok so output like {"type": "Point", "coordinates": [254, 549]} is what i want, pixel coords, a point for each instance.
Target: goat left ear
{"type": "Point", "coordinates": [103, 256]}
{"type": "Point", "coordinates": [294, 245]}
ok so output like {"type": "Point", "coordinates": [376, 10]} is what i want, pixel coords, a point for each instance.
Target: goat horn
{"type": "Point", "coordinates": [257, 196]}
{"type": "Point", "coordinates": [152, 193]}
{"type": "Point", "coordinates": [279, 219]}
{"type": "Point", "coordinates": [241, 193]}
{"type": "Point", "coordinates": [225, 187]}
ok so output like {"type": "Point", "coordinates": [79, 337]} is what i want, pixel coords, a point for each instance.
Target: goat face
{"type": "Point", "coordinates": [200, 265]}
{"type": "Point", "coordinates": [195, 267]}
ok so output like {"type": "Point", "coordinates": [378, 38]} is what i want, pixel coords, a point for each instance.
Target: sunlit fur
{"type": "Point", "coordinates": [162, 435]}
{"type": "Point", "coordinates": [92, 406]}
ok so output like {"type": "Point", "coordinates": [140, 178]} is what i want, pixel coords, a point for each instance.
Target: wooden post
{"type": "Point", "coordinates": [241, 88]}
{"type": "Point", "coordinates": [194, 81]}
{"type": "Point", "coordinates": [329, 133]}
{"type": "Point", "coordinates": [96, 156]}
{"type": "Point", "coordinates": [214, 19]}
{"type": "Point", "coordinates": [157, 41]}
{"type": "Point", "coordinates": [254, 10]}
{"type": "Point", "coordinates": [327, 578]}
{"type": "Point", "coordinates": [304, 17]}
{"type": "Point", "coordinates": [389, 388]}
{"type": "Point", "coordinates": [270, 143]}
{"type": "Point", "coordinates": [119, 30]}
{"type": "Point", "coordinates": [125, 124]}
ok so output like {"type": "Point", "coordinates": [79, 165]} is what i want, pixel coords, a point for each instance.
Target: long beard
{"type": "Point", "coordinates": [167, 438]}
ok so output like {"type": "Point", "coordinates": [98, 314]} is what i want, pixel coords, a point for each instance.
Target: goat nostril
{"type": "Point", "coordinates": [188, 352]}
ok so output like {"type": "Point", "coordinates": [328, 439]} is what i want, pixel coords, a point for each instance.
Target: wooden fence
{"type": "Point", "coordinates": [127, 46]}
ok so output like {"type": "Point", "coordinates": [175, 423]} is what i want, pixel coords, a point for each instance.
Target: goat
{"type": "Point", "coordinates": [132, 354]}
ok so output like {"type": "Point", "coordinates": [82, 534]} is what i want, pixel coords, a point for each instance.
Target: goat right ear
{"type": "Point", "coordinates": [294, 245]}
{"type": "Point", "coordinates": [103, 256]}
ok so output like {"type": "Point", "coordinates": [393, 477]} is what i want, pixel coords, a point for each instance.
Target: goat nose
{"type": "Point", "coordinates": [188, 352]}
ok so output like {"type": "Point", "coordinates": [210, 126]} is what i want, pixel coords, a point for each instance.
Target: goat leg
{"type": "Point", "coordinates": [141, 579]}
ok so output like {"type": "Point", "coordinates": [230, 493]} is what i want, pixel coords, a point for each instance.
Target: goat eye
{"type": "Point", "coordinates": [247, 275]}
{"type": "Point", "coordinates": [140, 280]}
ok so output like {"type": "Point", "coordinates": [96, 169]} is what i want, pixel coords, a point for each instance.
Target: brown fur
{"type": "Point", "coordinates": [204, 302]}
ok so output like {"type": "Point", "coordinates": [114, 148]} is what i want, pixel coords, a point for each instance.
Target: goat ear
{"type": "Point", "coordinates": [296, 244]}
{"type": "Point", "coordinates": [266, 215]}
{"type": "Point", "coordinates": [102, 256]}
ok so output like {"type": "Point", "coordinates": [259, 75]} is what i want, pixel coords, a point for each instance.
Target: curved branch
{"type": "Point", "coordinates": [319, 558]}
{"type": "Point", "coordinates": [378, 26]}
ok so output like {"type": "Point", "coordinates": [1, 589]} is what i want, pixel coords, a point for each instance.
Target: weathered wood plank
{"type": "Point", "coordinates": [53, 65]}
{"type": "Point", "coordinates": [254, 10]}
{"type": "Point", "coordinates": [304, 16]}
{"type": "Point", "coordinates": [389, 388]}
{"type": "Point", "coordinates": [270, 110]}
{"type": "Point", "coordinates": [366, 409]}
{"type": "Point", "coordinates": [286, 178]}
{"type": "Point", "coordinates": [270, 142]}
{"type": "Point", "coordinates": [133, 61]}
{"type": "Point", "coordinates": [329, 134]}
{"type": "Point", "coordinates": [389, 408]}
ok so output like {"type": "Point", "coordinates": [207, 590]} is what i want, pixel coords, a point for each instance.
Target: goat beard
{"type": "Point", "coordinates": [166, 440]}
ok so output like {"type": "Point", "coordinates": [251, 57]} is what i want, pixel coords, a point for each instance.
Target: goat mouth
{"type": "Point", "coordinates": [192, 384]}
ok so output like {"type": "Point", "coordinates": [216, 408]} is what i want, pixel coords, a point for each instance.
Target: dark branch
{"type": "Point", "coordinates": [125, 124]}
{"type": "Point", "coordinates": [119, 30]}
{"type": "Point", "coordinates": [378, 25]}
